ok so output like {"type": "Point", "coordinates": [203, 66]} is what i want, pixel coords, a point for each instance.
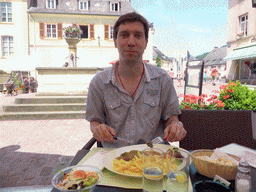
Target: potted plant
{"type": "Point", "coordinates": [241, 34]}
{"type": "Point", "coordinates": [215, 121]}
{"type": "Point", "coordinates": [72, 32]}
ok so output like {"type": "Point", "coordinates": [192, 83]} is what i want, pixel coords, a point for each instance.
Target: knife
{"type": "Point", "coordinates": [121, 139]}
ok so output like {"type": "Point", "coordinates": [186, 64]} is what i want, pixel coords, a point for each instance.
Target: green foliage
{"type": "Point", "coordinates": [202, 56]}
{"type": "Point", "coordinates": [158, 61]}
{"type": "Point", "coordinates": [238, 97]}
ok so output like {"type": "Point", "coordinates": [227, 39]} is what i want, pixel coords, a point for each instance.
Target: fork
{"type": "Point", "coordinates": [157, 140]}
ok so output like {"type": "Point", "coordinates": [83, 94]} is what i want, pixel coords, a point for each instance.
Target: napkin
{"type": "Point", "coordinates": [96, 160]}
{"type": "Point", "coordinates": [217, 154]}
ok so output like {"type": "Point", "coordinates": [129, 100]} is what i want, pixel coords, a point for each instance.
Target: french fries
{"type": "Point", "coordinates": [134, 166]}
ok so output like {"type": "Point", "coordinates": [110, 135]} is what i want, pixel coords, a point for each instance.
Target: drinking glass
{"type": "Point", "coordinates": [153, 170]}
{"type": "Point", "coordinates": [178, 172]}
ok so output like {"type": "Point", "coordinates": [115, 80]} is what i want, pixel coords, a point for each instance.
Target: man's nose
{"type": "Point", "coordinates": [131, 40]}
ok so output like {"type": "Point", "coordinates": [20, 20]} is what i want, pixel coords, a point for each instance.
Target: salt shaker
{"type": "Point", "coordinates": [243, 177]}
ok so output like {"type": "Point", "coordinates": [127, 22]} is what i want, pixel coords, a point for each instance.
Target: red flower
{"type": "Point", "coordinates": [22, 86]}
{"type": "Point", "coordinates": [232, 84]}
{"type": "Point", "coordinates": [202, 105]}
{"type": "Point", "coordinates": [214, 97]}
{"type": "Point", "coordinates": [187, 107]}
{"type": "Point", "coordinates": [231, 90]}
{"type": "Point", "coordinates": [203, 95]}
{"type": "Point", "coordinates": [227, 96]}
{"type": "Point", "coordinates": [223, 87]}
{"type": "Point", "coordinates": [220, 104]}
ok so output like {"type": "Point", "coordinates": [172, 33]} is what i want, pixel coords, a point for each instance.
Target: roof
{"type": "Point", "coordinates": [162, 56]}
{"type": "Point", "coordinates": [96, 7]}
{"type": "Point", "coordinates": [216, 56]}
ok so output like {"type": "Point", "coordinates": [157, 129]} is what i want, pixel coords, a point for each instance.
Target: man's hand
{"type": "Point", "coordinates": [102, 132]}
{"type": "Point", "coordinates": [174, 131]}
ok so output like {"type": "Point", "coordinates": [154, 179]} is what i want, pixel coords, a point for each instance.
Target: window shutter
{"type": "Point", "coordinates": [89, 5]}
{"type": "Point", "coordinates": [106, 32]}
{"type": "Point", "coordinates": [59, 30]}
{"type": "Point", "coordinates": [92, 31]}
{"type": "Point", "coordinates": [119, 6]}
{"type": "Point", "coordinates": [41, 30]}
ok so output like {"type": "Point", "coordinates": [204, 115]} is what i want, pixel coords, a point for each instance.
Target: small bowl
{"type": "Point", "coordinates": [210, 186]}
{"type": "Point", "coordinates": [58, 177]}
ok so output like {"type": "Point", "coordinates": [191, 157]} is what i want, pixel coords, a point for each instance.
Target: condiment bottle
{"type": "Point", "coordinates": [243, 177]}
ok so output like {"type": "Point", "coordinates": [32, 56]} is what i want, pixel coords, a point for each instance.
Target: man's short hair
{"type": "Point", "coordinates": [128, 18]}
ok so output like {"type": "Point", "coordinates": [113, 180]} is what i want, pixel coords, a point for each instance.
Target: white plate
{"type": "Point", "coordinates": [110, 156]}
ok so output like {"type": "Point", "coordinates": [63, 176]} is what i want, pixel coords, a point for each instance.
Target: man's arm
{"type": "Point", "coordinates": [174, 130]}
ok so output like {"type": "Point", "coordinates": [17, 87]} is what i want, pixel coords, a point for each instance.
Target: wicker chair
{"type": "Point", "coordinates": [209, 129]}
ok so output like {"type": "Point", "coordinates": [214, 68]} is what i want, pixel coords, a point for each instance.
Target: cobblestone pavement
{"type": "Point", "coordinates": [62, 137]}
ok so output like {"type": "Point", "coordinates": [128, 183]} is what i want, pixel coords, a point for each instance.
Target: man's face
{"type": "Point", "coordinates": [131, 41]}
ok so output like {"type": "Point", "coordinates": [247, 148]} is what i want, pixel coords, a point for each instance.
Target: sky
{"type": "Point", "coordinates": [194, 25]}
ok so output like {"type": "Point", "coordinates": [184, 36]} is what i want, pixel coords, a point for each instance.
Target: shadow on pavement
{"type": "Point", "coordinates": [28, 169]}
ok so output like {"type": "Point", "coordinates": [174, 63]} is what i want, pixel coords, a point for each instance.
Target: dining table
{"type": "Point", "coordinates": [194, 175]}
{"type": "Point", "coordinates": [81, 155]}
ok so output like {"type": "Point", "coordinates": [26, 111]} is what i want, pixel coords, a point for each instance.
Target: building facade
{"type": "Point", "coordinates": [13, 31]}
{"type": "Point", "coordinates": [241, 51]}
{"type": "Point", "coordinates": [32, 32]}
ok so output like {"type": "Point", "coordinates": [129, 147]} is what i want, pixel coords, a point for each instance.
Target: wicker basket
{"type": "Point", "coordinates": [211, 169]}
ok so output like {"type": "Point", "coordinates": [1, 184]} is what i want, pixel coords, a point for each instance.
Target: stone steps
{"type": "Point", "coordinates": [45, 107]}
{"type": "Point", "coordinates": [42, 115]}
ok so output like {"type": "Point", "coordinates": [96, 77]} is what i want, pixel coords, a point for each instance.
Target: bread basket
{"type": "Point", "coordinates": [211, 169]}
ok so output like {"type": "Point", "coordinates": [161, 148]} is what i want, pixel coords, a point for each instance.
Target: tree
{"type": "Point", "coordinates": [158, 61]}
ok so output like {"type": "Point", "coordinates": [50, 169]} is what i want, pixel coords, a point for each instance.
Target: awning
{"type": "Point", "coordinates": [242, 53]}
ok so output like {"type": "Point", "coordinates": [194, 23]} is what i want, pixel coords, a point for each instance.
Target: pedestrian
{"type": "Point", "coordinates": [171, 73]}
{"type": "Point", "coordinates": [205, 76]}
{"type": "Point", "coordinates": [66, 64]}
{"type": "Point", "coordinates": [133, 100]}
{"type": "Point", "coordinates": [33, 85]}
{"type": "Point", "coordinates": [179, 79]}
{"type": "Point", "coordinates": [214, 73]}
{"type": "Point", "coordinates": [26, 84]}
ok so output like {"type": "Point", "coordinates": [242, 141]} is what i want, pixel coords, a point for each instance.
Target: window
{"type": "Point", "coordinates": [114, 6]}
{"type": "Point", "coordinates": [83, 5]}
{"type": "Point", "coordinates": [51, 30]}
{"type": "Point", "coordinates": [111, 32]}
{"type": "Point", "coordinates": [85, 29]}
{"type": "Point", "coordinates": [243, 21]}
{"type": "Point", "coordinates": [7, 46]}
{"type": "Point", "coordinates": [51, 4]}
{"type": "Point", "coordinates": [6, 12]}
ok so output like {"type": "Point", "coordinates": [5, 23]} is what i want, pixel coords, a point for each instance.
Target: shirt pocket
{"type": "Point", "coordinates": [152, 108]}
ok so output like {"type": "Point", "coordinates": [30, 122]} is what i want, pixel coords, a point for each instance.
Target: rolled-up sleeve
{"type": "Point", "coordinates": [170, 101]}
{"type": "Point", "coordinates": [95, 105]}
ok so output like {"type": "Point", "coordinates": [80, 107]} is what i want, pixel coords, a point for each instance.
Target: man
{"type": "Point", "coordinates": [133, 100]}
{"type": "Point", "coordinates": [214, 73]}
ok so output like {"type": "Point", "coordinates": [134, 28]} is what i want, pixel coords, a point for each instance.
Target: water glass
{"type": "Point", "coordinates": [153, 170]}
{"type": "Point", "coordinates": [178, 172]}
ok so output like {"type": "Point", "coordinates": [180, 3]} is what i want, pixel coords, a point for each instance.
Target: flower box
{"type": "Point", "coordinates": [210, 129]}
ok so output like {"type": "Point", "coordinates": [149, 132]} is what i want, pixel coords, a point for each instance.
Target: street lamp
{"type": "Point", "coordinates": [254, 3]}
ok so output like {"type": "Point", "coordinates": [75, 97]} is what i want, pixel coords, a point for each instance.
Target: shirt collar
{"type": "Point", "coordinates": [149, 73]}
